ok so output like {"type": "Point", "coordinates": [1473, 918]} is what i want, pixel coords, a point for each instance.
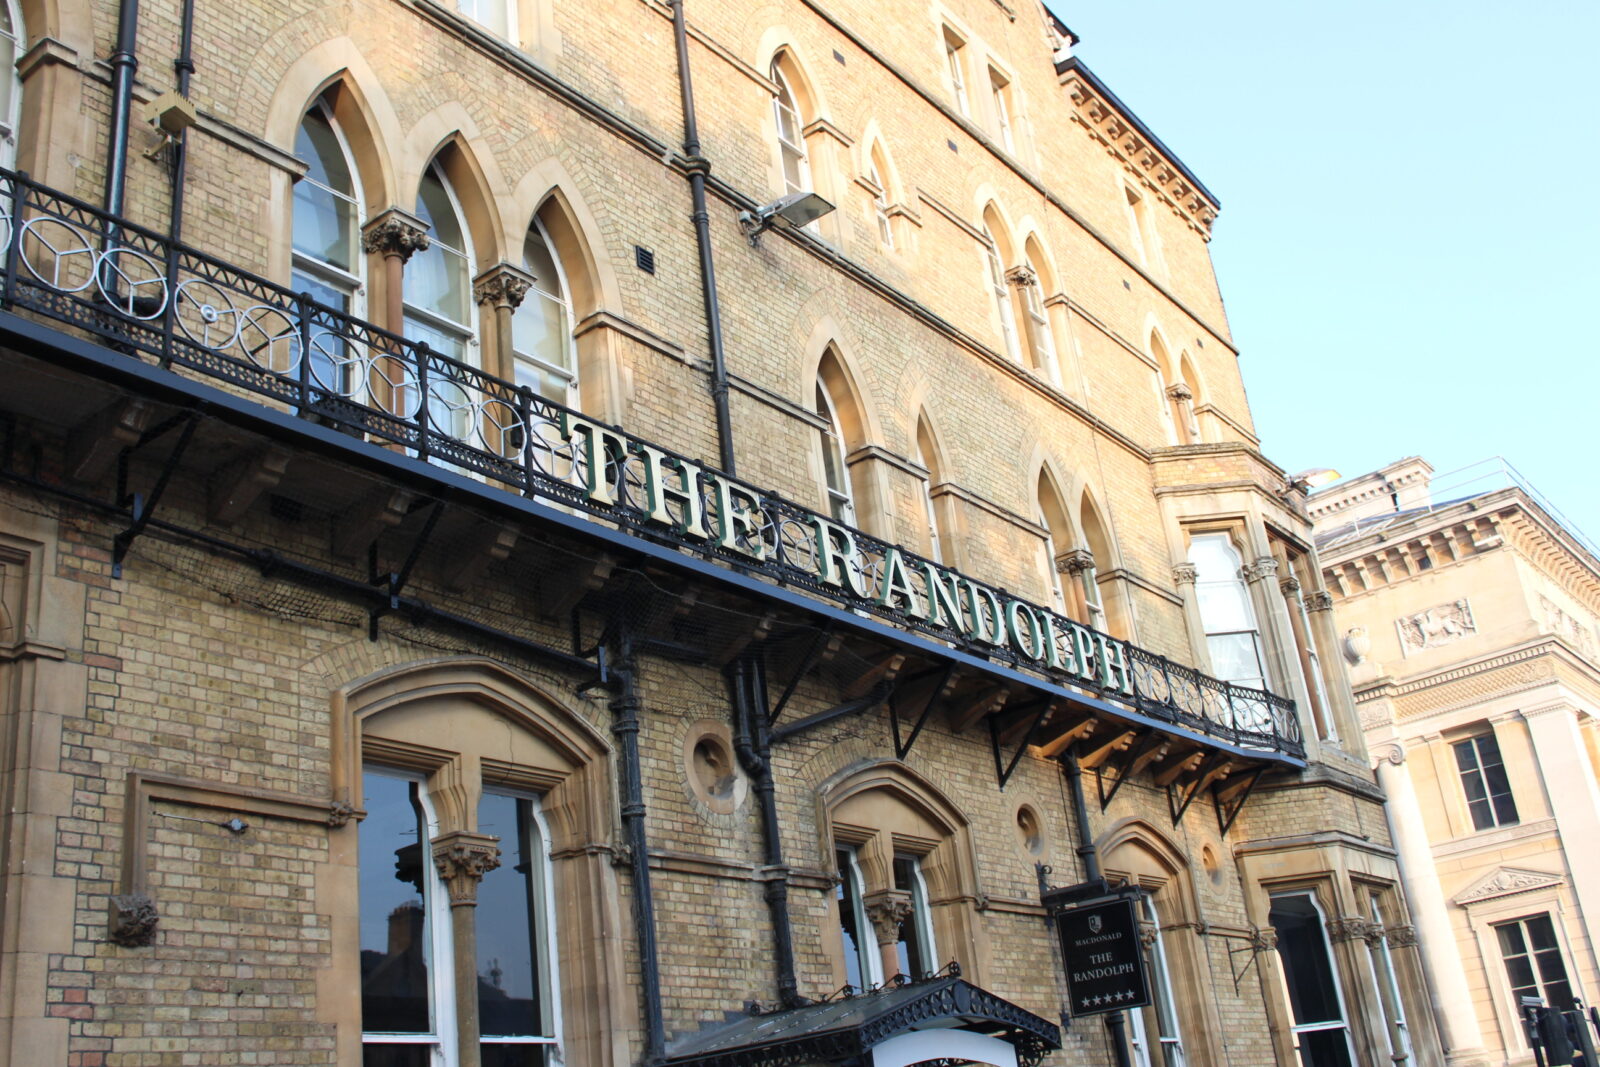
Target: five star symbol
{"type": "Point", "coordinates": [1108, 998]}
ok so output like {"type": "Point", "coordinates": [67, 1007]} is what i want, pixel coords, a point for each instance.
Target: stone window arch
{"type": "Point", "coordinates": [1056, 557]}
{"type": "Point", "coordinates": [998, 251]}
{"type": "Point", "coordinates": [911, 855]}
{"type": "Point", "coordinates": [325, 238]}
{"type": "Point", "coordinates": [1035, 282]}
{"type": "Point", "coordinates": [1182, 1020]}
{"type": "Point", "coordinates": [508, 785]}
{"type": "Point", "coordinates": [792, 112]}
{"type": "Point", "coordinates": [936, 499]}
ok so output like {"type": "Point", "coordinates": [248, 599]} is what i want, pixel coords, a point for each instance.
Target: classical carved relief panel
{"type": "Point", "coordinates": [1559, 622]}
{"type": "Point", "coordinates": [1439, 625]}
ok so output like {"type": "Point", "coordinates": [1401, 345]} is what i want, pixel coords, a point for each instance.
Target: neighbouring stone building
{"type": "Point", "coordinates": [493, 571]}
{"type": "Point", "coordinates": [1468, 610]}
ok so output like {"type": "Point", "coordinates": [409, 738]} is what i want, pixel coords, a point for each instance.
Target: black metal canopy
{"type": "Point", "coordinates": [845, 1031]}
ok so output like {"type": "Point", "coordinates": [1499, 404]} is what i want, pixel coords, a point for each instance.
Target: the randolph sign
{"type": "Point", "coordinates": [1104, 957]}
{"type": "Point", "coordinates": [709, 508]}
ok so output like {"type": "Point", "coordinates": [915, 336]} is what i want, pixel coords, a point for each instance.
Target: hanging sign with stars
{"type": "Point", "coordinates": [1104, 957]}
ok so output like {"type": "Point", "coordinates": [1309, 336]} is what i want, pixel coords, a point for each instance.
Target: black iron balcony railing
{"type": "Point", "coordinates": [172, 305]}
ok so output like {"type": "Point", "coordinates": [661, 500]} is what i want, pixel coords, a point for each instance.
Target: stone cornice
{"type": "Point", "coordinates": [1121, 132]}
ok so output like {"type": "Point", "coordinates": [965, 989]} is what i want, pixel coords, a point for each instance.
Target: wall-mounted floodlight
{"type": "Point", "coordinates": [796, 209]}
{"type": "Point", "coordinates": [1314, 477]}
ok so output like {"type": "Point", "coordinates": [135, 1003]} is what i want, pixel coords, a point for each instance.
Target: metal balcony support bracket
{"type": "Point", "coordinates": [1214, 766]}
{"type": "Point", "coordinates": [1139, 756]}
{"type": "Point", "coordinates": [878, 694]}
{"type": "Point", "coordinates": [395, 581]}
{"type": "Point", "coordinates": [932, 698]}
{"type": "Point", "coordinates": [141, 506]}
{"type": "Point", "coordinates": [819, 640]}
{"type": "Point", "coordinates": [1231, 797]}
{"type": "Point", "coordinates": [1003, 771]}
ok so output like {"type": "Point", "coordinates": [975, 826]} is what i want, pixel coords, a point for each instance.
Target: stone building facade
{"type": "Point", "coordinates": [1467, 609]}
{"type": "Point", "coordinates": [485, 581]}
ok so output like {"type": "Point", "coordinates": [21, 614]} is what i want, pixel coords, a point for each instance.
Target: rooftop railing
{"type": "Point", "coordinates": [174, 306]}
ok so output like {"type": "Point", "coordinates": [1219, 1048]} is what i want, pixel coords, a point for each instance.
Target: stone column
{"type": "Point", "coordinates": [394, 235]}
{"type": "Point", "coordinates": [886, 910]}
{"type": "Point", "coordinates": [1184, 576]}
{"type": "Point", "coordinates": [463, 858]}
{"type": "Point", "coordinates": [1182, 398]}
{"type": "Point", "coordinates": [1022, 278]}
{"type": "Point", "coordinates": [1277, 636]}
{"type": "Point", "coordinates": [1441, 957]}
{"type": "Point", "coordinates": [1563, 761]}
{"type": "Point", "coordinates": [1289, 586]}
{"type": "Point", "coordinates": [502, 287]}
{"type": "Point", "coordinates": [1075, 564]}
{"type": "Point", "coordinates": [1335, 681]}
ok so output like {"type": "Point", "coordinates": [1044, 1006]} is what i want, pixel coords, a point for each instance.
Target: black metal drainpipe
{"type": "Point", "coordinates": [1089, 854]}
{"type": "Point", "coordinates": [699, 167]}
{"type": "Point", "coordinates": [124, 64]}
{"type": "Point", "coordinates": [625, 707]}
{"type": "Point", "coordinates": [184, 65]}
{"type": "Point", "coordinates": [752, 742]}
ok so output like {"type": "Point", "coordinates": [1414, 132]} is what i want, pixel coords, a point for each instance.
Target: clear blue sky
{"type": "Point", "coordinates": [1408, 240]}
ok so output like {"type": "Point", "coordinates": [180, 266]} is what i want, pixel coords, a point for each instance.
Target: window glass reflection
{"type": "Point", "coordinates": [395, 951]}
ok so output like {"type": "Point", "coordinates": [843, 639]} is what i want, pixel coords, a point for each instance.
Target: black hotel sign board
{"type": "Point", "coordinates": [1104, 959]}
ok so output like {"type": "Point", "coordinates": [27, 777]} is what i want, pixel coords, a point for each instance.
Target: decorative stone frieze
{"type": "Point", "coordinates": [463, 858]}
{"type": "Point", "coordinates": [395, 233]}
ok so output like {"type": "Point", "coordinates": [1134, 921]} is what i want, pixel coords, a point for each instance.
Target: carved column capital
{"type": "Point", "coordinates": [1347, 929]}
{"type": "Point", "coordinates": [1319, 600]}
{"type": "Point", "coordinates": [1401, 935]}
{"type": "Point", "coordinates": [1394, 754]}
{"type": "Point", "coordinates": [502, 285]}
{"type": "Point", "coordinates": [1180, 391]}
{"type": "Point", "coordinates": [1289, 585]}
{"type": "Point", "coordinates": [395, 233]}
{"type": "Point", "coordinates": [340, 812]}
{"type": "Point", "coordinates": [1022, 276]}
{"type": "Point", "coordinates": [1075, 561]}
{"type": "Point", "coordinates": [463, 858]}
{"type": "Point", "coordinates": [1184, 573]}
{"type": "Point", "coordinates": [886, 910]}
{"type": "Point", "coordinates": [133, 920]}
{"type": "Point", "coordinates": [1148, 932]}
{"type": "Point", "coordinates": [1264, 940]}
{"type": "Point", "coordinates": [1264, 567]}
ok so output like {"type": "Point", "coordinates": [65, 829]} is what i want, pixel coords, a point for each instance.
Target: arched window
{"type": "Point", "coordinates": [328, 262]}
{"type": "Point", "coordinates": [1052, 515]}
{"type": "Point", "coordinates": [1232, 636]}
{"type": "Point", "coordinates": [997, 287]}
{"type": "Point", "coordinates": [541, 329]}
{"type": "Point", "coordinates": [1040, 337]}
{"type": "Point", "coordinates": [880, 199]}
{"type": "Point", "coordinates": [438, 290]}
{"type": "Point", "coordinates": [940, 544]}
{"type": "Point", "coordinates": [791, 134]}
{"type": "Point", "coordinates": [13, 41]}
{"type": "Point", "coordinates": [1097, 556]}
{"type": "Point", "coordinates": [841, 501]}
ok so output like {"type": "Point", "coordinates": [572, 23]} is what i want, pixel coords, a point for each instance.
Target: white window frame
{"type": "Point", "coordinates": [1172, 1051]}
{"type": "Point", "coordinates": [1343, 1022]}
{"type": "Point", "coordinates": [436, 904]}
{"type": "Point", "coordinates": [867, 956]}
{"type": "Point", "coordinates": [1254, 629]}
{"type": "Point", "coordinates": [352, 284]}
{"type": "Point", "coordinates": [784, 103]}
{"type": "Point", "coordinates": [921, 914]}
{"type": "Point", "coordinates": [1002, 295]}
{"type": "Point", "coordinates": [1052, 574]}
{"type": "Point", "coordinates": [441, 971]}
{"type": "Point", "coordinates": [473, 9]}
{"type": "Point", "coordinates": [935, 551]}
{"type": "Point", "coordinates": [955, 66]}
{"type": "Point", "coordinates": [1388, 982]}
{"type": "Point", "coordinates": [12, 118]}
{"type": "Point", "coordinates": [840, 498]}
{"type": "Point", "coordinates": [570, 372]}
{"type": "Point", "coordinates": [1033, 301]}
{"type": "Point", "coordinates": [999, 85]}
{"type": "Point", "coordinates": [467, 331]}
{"type": "Point", "coordinates": [880, 204]}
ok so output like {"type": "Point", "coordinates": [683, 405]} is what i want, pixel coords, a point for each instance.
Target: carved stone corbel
{"type": "Point", "coordinates": [463, 858]}
{"type": "Point", "coordinates": [133, 919]}
{"type": "Point", "coordinates": [1184, 573]}
{"type": "Point", "coordinates": [1263, 940]}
